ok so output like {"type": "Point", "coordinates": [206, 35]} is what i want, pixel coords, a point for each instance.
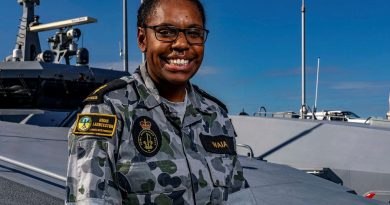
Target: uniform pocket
{"type": "Point", "coordinates": [136, 177]}
{"type": "Point", "coordinates": [221, 170]}
{"type": "Point", "coordinates": [152, 177]}
{"type": "Point", "coordinates": [167, 198]}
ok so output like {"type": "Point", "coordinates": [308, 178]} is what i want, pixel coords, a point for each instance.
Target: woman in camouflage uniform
{"type": "Point", "coordinates": [153, 137]}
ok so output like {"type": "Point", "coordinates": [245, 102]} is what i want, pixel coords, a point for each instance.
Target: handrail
{"type": "Point", "coordinates": [261, 111]}
{"type": "Point", "coordinates": [248, 147]}
{"type": "Point", "coordinates": [32, 168]}
{"type": "Point", "coordinates": [286, 114]}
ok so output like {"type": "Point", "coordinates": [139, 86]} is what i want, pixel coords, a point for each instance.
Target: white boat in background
{"type": "Point", "coordinates": [337, 115]}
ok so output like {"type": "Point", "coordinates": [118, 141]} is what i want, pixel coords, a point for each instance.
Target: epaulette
{"type": "Point", "coordinates": [210, 97]}
{"type": "Point", "coordinates": [97, 96]}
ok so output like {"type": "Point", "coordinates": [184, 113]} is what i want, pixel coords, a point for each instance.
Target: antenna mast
{"type": "Point", "coordinates": [303, 105]}
{"type": "Point", "coordinates": [125, 43]}
{"type": "Point", "coordinates": [27, 43]}
{"type": "Point", "coordinates": [318, 71]}
{"type": "Point", "coordinates": [388, 114]}
{"type": "Point", "coordinates": [143, 54]}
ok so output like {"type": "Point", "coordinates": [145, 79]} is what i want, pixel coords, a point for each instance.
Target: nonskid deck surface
{"type": "Point", "coordinates": [13, 193]}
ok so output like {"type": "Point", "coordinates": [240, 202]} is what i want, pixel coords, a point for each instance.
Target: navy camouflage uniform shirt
{"type": "Point", "coordinates": [127, 147]}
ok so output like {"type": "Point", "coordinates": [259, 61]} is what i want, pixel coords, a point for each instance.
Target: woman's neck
{"type": "Point", "coordinates": [173, 93]}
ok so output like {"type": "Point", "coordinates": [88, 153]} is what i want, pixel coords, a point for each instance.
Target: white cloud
{"type": "Point", "coordinates": [360, 85]}
{"type": "Point", "coordinates": [207, 70]}
{"type": "Point", "coordinates": [297, 71]}
{"type": "Point", "coordinates": [116, 65]}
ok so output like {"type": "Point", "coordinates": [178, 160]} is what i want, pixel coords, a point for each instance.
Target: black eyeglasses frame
{"type": "Point", "coordinates": [182, 30]}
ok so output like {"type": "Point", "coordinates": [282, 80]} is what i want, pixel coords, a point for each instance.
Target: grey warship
{"type": "Point", "coordinates": [39, 97]}
{"type": "Point", "coordinates": [35, 78]}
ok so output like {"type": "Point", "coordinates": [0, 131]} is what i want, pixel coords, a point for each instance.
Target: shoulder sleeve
{"type": "Point", "coordinates": [210, 97]}
{"type": "Point", "coordinates": [97, 96]}
{"type": "Point", "coordinates": [93, 141]}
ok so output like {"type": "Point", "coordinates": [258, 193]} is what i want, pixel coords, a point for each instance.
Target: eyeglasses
{"type": "Point", "coordinates": [169, 34]}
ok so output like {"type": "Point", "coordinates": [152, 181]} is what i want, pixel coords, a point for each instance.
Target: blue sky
{"type": "Point", "coordinates": [253, 53]}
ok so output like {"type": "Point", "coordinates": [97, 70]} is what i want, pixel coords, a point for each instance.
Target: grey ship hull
{"type": "Point", "coordinates": [32, 84]}
{"type": "Point", "coordinates": [46, 148]}
{"type": "Point", "coordinates": [356, 153]}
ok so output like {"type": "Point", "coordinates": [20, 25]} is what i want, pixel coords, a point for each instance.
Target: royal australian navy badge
{"type": "Point", "coordinates": [146, 136]}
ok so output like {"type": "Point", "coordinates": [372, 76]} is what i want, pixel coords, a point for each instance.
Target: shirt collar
{"type": "Point", "coordinates": [150, 97]}
{"type": "Point", "coordinates": [147, 91]}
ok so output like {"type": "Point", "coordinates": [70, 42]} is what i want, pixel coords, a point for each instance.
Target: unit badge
{"type": "Point", "coordinates": [84, 124]}
{"type": "Point", "coordinates": [95, 124]}
{"type": "Point", "coordinates": [146, 136]}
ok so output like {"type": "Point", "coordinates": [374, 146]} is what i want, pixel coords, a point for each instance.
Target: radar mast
{"type": "Point", "coordinates": [27, 43]}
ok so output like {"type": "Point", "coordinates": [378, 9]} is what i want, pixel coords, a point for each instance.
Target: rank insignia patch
{"type": "Point", "coordinates": [95, 124]}
{"type": "Point", "coordinates": [218, 144]}
{"type": "Point", "coordinates": [146, 136]}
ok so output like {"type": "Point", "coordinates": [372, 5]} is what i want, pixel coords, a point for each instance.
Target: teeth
{"type": "Point", "coordinates": [178, 62]}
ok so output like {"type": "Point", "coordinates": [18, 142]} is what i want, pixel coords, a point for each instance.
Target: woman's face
{"type": "Point", "coordinates": [174, 62]}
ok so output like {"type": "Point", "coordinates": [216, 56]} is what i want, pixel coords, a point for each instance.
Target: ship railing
{"type": "Point", "coordinates": [33, 168]}
{"type": "Point", "coordinates": [249, 148]}
{"type": "Point", "coordinates": [288, 114]}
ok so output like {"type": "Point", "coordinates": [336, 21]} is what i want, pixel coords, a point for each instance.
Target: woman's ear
{"type": "Point", "coordinates": [141, 37]}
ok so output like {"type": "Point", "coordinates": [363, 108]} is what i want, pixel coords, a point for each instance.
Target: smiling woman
{"type": "Point", "coordinates": [163, 140]}
{"type": "Point", "coordinates": [165, 39]}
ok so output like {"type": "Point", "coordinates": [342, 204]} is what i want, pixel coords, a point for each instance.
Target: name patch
{"type": "Point", "coordinates": [95, 124]}
{"type": "Point", "coordinates": [146, 136]}
{"type": "Point", "coordinates": [218, 144]}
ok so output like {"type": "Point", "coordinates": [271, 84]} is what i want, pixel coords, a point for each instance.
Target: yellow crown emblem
{"type": "Point", "coordinates": [145, 124]}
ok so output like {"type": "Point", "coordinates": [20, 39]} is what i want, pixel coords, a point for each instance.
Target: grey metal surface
{"type": "Point", "coordinates": [13, 193]}
{"type": "Point", "coordinates": [33, 168]}
{"type": "Point", "coordinates": [275, 184]}
{"type": "Point", "coordinates": [20, 111]}
{"type": "Point", "coordinates": [41, 147]}
{"type": "Point", "coordinates": [25, 178]}
{"type": "Point", "coordinates": [29, 69]}
{"type": "Point", "coordinates": [357, 153]}
{"type": "Point", "coordinates": [46, 148]}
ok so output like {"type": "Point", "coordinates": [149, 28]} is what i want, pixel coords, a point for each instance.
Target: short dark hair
{"type": "Point", "coordinates": [148, 6]}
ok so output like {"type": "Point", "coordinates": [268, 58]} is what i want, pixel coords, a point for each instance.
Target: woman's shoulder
{"type": "Point", "coordinates": [112, 89]}
{"type": "Point", "coordinates": [210, 99]}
